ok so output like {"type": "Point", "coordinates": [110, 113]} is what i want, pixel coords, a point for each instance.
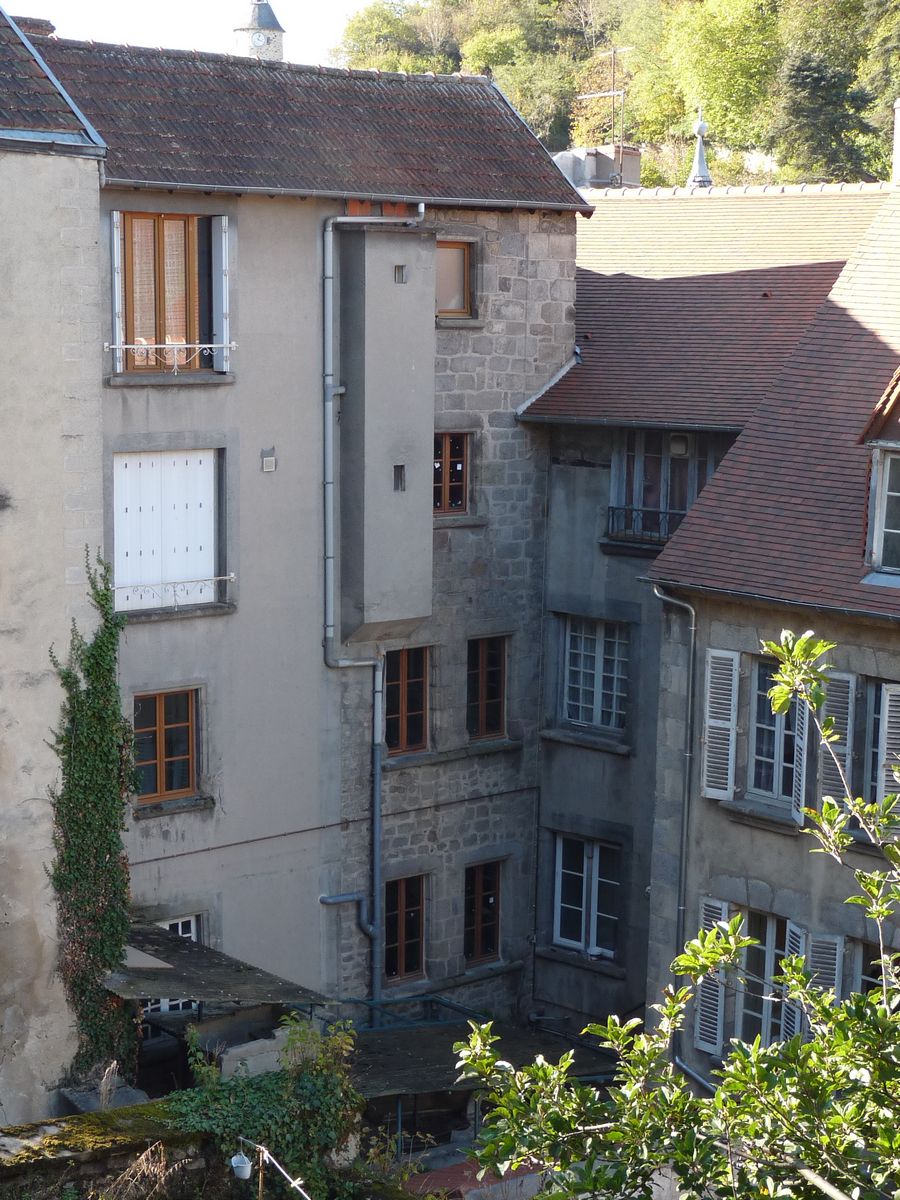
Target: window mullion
{"type": "Point", "coordinates": [589, 860]}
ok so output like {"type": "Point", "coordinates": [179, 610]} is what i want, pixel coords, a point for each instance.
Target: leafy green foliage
{"type": "Point", "coordinates": [90, 872]}
{"type": "Point", "coordinates": [301, 1113]}
{"type": "Point", "coordinates": [789, 1120]}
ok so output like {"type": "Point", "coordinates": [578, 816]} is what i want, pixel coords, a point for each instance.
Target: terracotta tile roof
{"type": "Point", "coordinates": [184, 118]}
{"type": "Point", "coordinates": [785, 515]}
{"type": "Point", "coordinates": [689, 302]}
{"type": "Point", "coordinates": [28, 98]}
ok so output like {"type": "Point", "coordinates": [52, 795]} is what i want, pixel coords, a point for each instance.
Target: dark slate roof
{"type": "Point", "coordinates": [182, 118]}
{"type": "Point", "coordinates": [785, 515]}
{"type": "Point", "coordinates": [689, 301]}
{"type": "Point", "coordinates": [262, 17]}
{"type": "Point", "coordinates": [29, 100]}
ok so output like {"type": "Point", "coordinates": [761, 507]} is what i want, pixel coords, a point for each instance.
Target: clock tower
{"type": "Point", "coordinates": [262, 37]}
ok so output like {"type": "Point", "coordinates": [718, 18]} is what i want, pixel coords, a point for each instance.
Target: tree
{"type": "Point", "coordinates": [812, 1115]}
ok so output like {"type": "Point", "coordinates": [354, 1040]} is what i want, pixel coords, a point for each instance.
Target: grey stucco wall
{"type": "Point", "coordinates": [50, 469]}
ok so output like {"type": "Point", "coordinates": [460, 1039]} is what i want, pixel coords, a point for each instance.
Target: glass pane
{"type": "Point", "coordinates": [144, 712]}
{"type": "Point", "coordinates": [570, 924]}
{"type": "Point", "coordinates": [415, 730]}
{"type": "Point", "coordinates": [391, 961]}
{"type": "Point", "coordinates": [414, 891]}
{"type": "Point", "coordinates": [412, 954]}
{"type": "Point", "coordinates": [894, 473]}
{"type": "Point", "coordinates": [415, 663]}
{"type": "Point", "coordinates": [178, 742]}
{"type": "Point", "coordinates": [605, 938]}
{"type": "Point", "coordinates": [144, 747]}
{"type": "Point", "coordinates": [451, 283]}
{"type": "Point", "coordinates": [892, 512]}
{"type": "Point", "coordinates": [178, 775]}
{"type": "Point", "coordinates": [146, 778]}
{"type": "Point", "coordinates": [391, 929]}
{"type": "Point", "coordinates": [391, 895]}
{"type": "Point", "coordinates": [571, 890]}
{"type": "Point", "coordinates": [890, 551]}
{"type": "Point", "coordinates": [176, 707]}
{"type": "Point", "coordinates": [392, 732]}
{"type": "Point", "coordinates": [175, 285]}
{"type": "Point", "coordinates": [392, 666]}
{"type": "Point", "coordinates": [143, 287]}
{"type": "Point", "coordinates": [572, 855]}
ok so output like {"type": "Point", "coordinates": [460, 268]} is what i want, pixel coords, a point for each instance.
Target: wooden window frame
{"type": "Point", "coordinates": [444, 459]}
{"type": "Point", "coordinates": [469, 310]}
{"type": "Point", "coordinates": [400, 945]}
{"type": "Point", "coordinates": [160, 759]}
{"type": "Point", "coordinates": [480, 703]}
{"type": "Point", "coordinates": [192, 288]}
{"type": "Point", "coordinates": [404, 745]}
{"type": "Point", "coordinates": [473, 922]}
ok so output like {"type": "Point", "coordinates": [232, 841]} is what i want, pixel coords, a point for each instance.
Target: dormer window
{"type": "Point", "coordinates": [886, 524]}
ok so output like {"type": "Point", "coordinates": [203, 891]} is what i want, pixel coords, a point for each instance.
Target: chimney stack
{"type": "Point", "coordinates": [35, 26]}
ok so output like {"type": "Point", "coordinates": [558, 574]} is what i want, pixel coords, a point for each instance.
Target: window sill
{"type": "Point", "coordinates": [761, 814]}
{"type": "Point", "coordinates": [149, 615]}
{"type": "Point", "coordinates": [574, 958]}
{"type": "Point", "coordinates": [630, 549]}
{"type": "Point", "coordinates": [167, 808]}
{"type": "Point", "coordinates": [879, 578]}
{"type": "Point", "coordinates": [167, 379]}
{"type": "Point", "coordinates": [460, 521]}
{"type": "Point", "coordinates": [427, 758]}
{"type": "Point", "coordinates": [424, 984]}
{"type": "Point", "coordinates": [458, 323]}
{"type": "Point", "coordinates": [591, 741]}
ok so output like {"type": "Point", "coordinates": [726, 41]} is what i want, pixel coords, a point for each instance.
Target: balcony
{"type": "Point", "coordinates": [643, 526]}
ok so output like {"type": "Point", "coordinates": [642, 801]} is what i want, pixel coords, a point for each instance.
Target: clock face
{"type": "Point", "coordinates": [258, 39]}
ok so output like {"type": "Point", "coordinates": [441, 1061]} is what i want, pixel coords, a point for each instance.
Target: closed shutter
{"type": "Point", "coordinates": [221, 323]}
{"type": "Point", "coordinates": [889, 740]}
{"type": "Point", "coordinates": [792, 1014]}
{"type": "Point", "coordinates": [840, 695]}
{"type": "Point", "coordinates": [721, 723]}
{"type": "Point", "coordinates": [825, 963]}
{"type": "Point", "coordinates": [709, 1003]}
{"type": "Point", "coordinates": [137, 530]}
{"type": "Point", "coordinates": [798, 792]}
{"type": "Point", "coordinates": [118, 292]}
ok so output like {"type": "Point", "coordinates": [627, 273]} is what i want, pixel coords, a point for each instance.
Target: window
{"type": "Point", "coordinates": [166, 528]}
{"type": "Point", "coordinates": [588, 896]}
{"type": "Point", "coordinates": [451, 470]}
{"type": "Point", "coordinates": [596, 682]}
{"type": "Point", "coordinates": [165, 745]}
{"type": "Point", "coordinates": [189, 928]}
{"type": "Point", "coordinates": [403, 926]}
{"type": "Point", "coordinates": [659, 475]}
{"type": "Point", "coordinates": [485, 688]}
{"type": "Point", "coordinates": [453, 290]}
{"type": "Point", "coordinates": [886, 527]}
{"type": "Point", "coordinates": [762, 1007]}
{"type": "Point", "coordinates": [170, 306]}
{"type": "Point", "coordinates": [865, 715]}
{"type": "Point", "coordinates": [481, 939]}
{"type": "Point", "coordinates": [405, 704]}
{"type": "Point", "coordinates": [778, 742]}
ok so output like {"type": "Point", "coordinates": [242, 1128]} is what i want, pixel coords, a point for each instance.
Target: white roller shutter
{"type": "Point", "coordinates": [792, 1014]}
{"type": "Point", "coordinates": [720, 727]}
{"type": "Point", "coordinates": [840, 698]}
{"type": "Point", "coordinates": [798, 792]}
{"type": "Point", "coordinates": [709, 1003]}
{"type": "Point", "coordinates": [889, 740]}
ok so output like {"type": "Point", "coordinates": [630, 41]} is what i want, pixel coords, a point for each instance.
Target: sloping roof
{"type": "Point", "coordinates": [785, 515]}
{"type": "Point", "coordinates": [31, 102]}
{"type": "Point", "coordinates": [208, 121]}
{"type": "Point", "coordinates": [689, 302]}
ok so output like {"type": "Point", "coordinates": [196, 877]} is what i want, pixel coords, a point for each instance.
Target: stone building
{"type": "Point", "coordinates": [285, 364]}
{"type": "Point", "coordinates": [796, 530]}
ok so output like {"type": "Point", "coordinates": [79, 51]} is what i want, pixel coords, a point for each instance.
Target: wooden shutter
{"type": "Point", "coordinates": [118, 292]}
{"type": "Point", "coordinates": [825, 963]}
{"type": "Point", "coordinates": [221, 323]}
{"type": "Point", "coordinates": [889, 739]}
{"type": "Point", "coordinates": [188, 526]}
{"type": "Point", "coordinates": [840, 697]}
{"type": "Point", "coordinates": [798, 794]}
{"type": "Point", "coordinates": [709, 1003]}
{"type": "Point", "coordinates": [137, 530]}
{"type": "Point", "coordinates": [721, 723]}
{"type": "Point", "coordinates": [792, 1014]}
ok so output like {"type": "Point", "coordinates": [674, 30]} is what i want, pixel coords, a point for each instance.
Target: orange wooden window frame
{"type": "Point", "coordinates": [444, 459]}
{"type": "Point", "coordinates": [403, 907]}
{"type": "Point", "coordinates": [157, 359]}
{"type": "Point", "coordinates": [466, 248]}
{"type": "Point", "coordinates": [402, 711]}
{"type": "Point", "coordinates": [476, 926]}
{"type": "Point", "coordinates": [160, 759]}
{"type": "Point", "coordinates": [480, 675]}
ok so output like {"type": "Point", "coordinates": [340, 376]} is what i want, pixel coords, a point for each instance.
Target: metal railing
{"type": "Point", "coordinates": [649, 526]}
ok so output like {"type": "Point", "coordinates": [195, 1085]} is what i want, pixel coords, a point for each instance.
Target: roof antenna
{"type": "Point", "coordinates": [700, 176]}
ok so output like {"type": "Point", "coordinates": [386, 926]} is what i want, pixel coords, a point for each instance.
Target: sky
{"type": "Point", "coordinates": [312, 28]}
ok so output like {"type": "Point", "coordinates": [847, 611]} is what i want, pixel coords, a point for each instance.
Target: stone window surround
{"type": "Point", "coordinates": [472, 425]}
{"type": "Point", "coordinates": [473, 236]}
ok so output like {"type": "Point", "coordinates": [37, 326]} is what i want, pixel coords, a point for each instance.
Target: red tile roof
{"type": "Point", "coordinates": [785, 515]}
{"type": "Point", "coordinates": [689, 302]}
{"type": "Point", "coordinates": [182, 118]}
{"type": "Point", "coordinates": [28, 99]}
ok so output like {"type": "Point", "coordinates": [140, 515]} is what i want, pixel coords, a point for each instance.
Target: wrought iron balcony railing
{"type": "Point", "coordinates": [649, 526]}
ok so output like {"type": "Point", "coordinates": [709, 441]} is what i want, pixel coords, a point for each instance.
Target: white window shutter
{"type": "Point", "coordinates": [825, 963]}
{"type": "Point", "coordinates": [722, 670]}
{"type": "Point", "coordinates": [709, 1003]}
{"type": "Point", "coordinates": [188, 526]}
{"type": "Point", "coordinates": [792, 1014]}
{"type": "Point", "coordinates": [840, 699]}
{"type": "Point", "coordinates": [137, 530]}
{"type": "Point", "coordinates": [798, 794]}
{"type": "Point", "coordinates": [220, 304]}
{"type": "Point", "coordinates": [118, 293]}
{"type": "Point", "coordinates": [889, 740]}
